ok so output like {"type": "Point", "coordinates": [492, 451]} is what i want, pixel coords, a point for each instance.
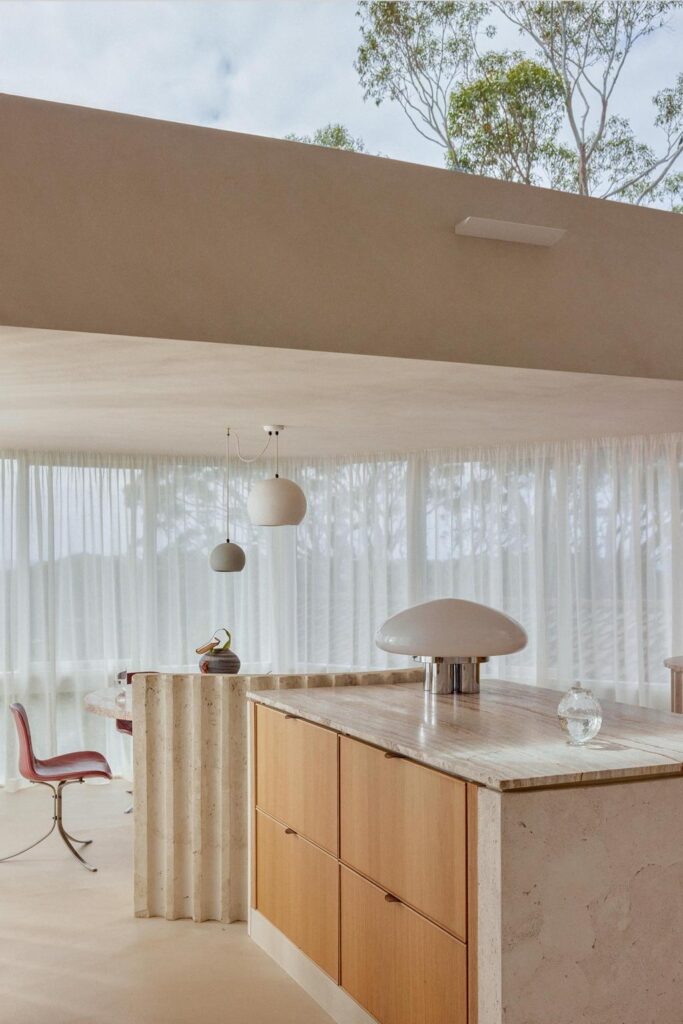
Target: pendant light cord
{"type": "Point", "coordinates": [256, 457]}
{"type": "Point", "coordinates": [227, 485]}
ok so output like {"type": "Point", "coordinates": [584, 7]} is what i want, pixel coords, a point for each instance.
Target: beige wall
{"type": "Point", "coordinates": [122, 225]}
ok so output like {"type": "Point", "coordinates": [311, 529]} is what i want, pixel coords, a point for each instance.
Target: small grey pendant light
{"type": "Point", "coordinates": [227, 557]}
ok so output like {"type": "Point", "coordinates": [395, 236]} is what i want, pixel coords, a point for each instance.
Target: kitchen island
{"type": "Point", "coordinates": [421, 859]}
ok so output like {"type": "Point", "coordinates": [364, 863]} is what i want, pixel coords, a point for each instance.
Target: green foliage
{"type": "Point", "coordinates": [334, 136]}
{"type": "Point", "coordinates": [672, 192]}
{"type": "Point", "coordinates": [669, 106]}
{"type": "Point", "coordinates": [415, 54]}
{"type": "Point", "coordinates": [586, 43]}
{"type": "Point", "coordinates": [505, 122]}
{"type": "Point", "coordinates": [619, 163]}
{"type": "Point", "coordinates": [669, 118]}
{"type": "Point", "coordinates": [547, 119]}
{"type": "Point", "coordinates": [583, 33]}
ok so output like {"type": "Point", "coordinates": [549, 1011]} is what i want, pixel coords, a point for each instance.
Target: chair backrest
{"type": "Point", "coordinates": [27, 759]}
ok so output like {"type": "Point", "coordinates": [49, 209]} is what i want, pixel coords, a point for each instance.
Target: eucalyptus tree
{"type": "Point", "coordinates": [587, 46]}
{"type": "Point", "coordinates": [505, 123]}
{"type": "Point", "coordinates": [333, 136]}
{"type": "Point", "coordinates": [550, 117]}
{"type": "Point", "coordinates": [416, 54]}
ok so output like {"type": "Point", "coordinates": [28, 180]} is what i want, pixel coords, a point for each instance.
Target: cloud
{"type": "Point", "coordinates": [157, 59]}
{"type": "Point", "coordinates": [263, 67]}
{"type": "Point", "coordinates": [268, 68]}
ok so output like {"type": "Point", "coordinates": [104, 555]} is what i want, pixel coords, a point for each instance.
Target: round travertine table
{"type": "Point", "coordinates": [103, 702]}
{"type": "Point", "coordinates": [676, 667]}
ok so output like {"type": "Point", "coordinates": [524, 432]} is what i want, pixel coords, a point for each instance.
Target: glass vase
{"type": "Point", "coordinates": [580, 715]}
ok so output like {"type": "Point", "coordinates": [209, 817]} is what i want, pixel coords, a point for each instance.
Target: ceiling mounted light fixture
{"type": "Point", "coordinates": [509, 231]}
{"type": "Point", "coordinates": [227, 557]}
{"type": "Point", "coordinates": [276, 501]}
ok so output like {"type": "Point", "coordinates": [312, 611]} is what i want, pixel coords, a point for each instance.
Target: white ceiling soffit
{"type": "Point", "coordinates": [65, 391]}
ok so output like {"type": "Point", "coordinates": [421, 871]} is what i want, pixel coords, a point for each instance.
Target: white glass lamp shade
{"type": "Point", "coordinates": [276, 502]}
{"type": "Point", "coordinates": [450, 628]}
{"type": "Point", "coordinates": [227, 557]}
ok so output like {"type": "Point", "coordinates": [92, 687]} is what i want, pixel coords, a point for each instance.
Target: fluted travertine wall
{"type": "Point", "coordinates": [190, 741]}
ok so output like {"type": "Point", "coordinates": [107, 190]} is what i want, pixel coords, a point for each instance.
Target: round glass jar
{"type": "Point", "coordinates": [580, 715]}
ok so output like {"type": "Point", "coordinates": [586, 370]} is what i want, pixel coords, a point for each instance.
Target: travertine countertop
{"type": "Point", "coordinates": [507, 737]}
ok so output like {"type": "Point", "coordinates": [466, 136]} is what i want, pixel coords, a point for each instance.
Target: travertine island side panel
{"type": "Point", "coordinates": [590, 908]}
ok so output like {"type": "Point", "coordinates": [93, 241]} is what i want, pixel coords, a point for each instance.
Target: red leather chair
{"type": "Point", "coordinates": [56, 773]}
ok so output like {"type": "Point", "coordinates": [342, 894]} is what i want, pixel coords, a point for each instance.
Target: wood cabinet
{"type": "Point", "coordinates": [405, 827]}
{"type": "Point", "coordinates": [297, 889]}
{"type": "Point", "coordinates": [296, 776]}
{"type": "Point", "coordinates": [362, 860]}
{"type": "Point", "coordinates": [402, 968]}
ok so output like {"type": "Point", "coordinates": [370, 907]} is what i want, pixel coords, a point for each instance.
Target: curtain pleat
{"type": "Point", "coordinates": [104, 566]}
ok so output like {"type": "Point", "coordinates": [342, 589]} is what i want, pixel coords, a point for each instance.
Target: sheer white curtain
{"type": "Point", "coordinates": [104, 566]}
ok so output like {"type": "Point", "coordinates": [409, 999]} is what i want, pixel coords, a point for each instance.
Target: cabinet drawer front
{"type": "Point", "coordinates": [395, 963]}
{"type": "Point", "coordinates": [405, 827]}
{"type": "Point", "coordinates": [297, 889]}
{"type": "Point", "coordinates": [296, 775]}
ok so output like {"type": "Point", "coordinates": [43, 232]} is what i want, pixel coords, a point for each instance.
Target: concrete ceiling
{"type": "Point", "coordinates": [72, 391]}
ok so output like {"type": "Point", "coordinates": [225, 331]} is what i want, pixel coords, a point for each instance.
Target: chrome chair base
{"type": "Point", "coordinates": [67, 839]}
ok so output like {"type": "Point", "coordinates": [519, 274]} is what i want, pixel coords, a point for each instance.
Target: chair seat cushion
{"type": "Point", "coordinates": [81, 764]}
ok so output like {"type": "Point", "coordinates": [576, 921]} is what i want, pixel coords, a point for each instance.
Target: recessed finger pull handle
{"type": "Point", "coordinates": [294, 717]}
{"type": "Point", "coordinates": [390, 753]}
{"type": "Point", "coordinates": [391, 899]}
{"type": "Point", "coordinates": [290, 832]}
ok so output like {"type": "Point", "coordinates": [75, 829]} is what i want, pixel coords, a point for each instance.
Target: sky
{"type": "Point", "coordinates": [244, 65]}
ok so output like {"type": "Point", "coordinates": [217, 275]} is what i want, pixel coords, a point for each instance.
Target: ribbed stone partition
{"type": "Point", "coordinates": [190, 744]}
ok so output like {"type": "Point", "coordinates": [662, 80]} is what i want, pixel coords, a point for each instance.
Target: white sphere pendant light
{"type": "Point", "coordinates": [276, 501]}
{"type": "Point", "coordinates": [227, 557]}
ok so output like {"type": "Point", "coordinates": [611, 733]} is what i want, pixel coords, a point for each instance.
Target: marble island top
{"type": "Point", "coordinates": [507, 737]}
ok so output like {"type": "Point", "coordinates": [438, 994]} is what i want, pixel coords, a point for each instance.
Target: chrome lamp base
{"type": "Point", "coordinates": [452, 675]}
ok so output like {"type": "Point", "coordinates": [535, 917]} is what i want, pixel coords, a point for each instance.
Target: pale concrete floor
{"type": "Point", "coordinates": [71, 951]}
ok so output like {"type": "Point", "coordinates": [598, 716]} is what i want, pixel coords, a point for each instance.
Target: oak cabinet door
{"type": "Point", "coordinates": [402, 968]}
{"type": "Point", "coordinates": [405, 827]}
{"type": "Point", "coordinates": [297, 889]}
{"type": "Point", "coordinates": [296, 775]}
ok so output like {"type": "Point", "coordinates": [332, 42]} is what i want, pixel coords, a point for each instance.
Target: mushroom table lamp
{"type": "Point", "coordinates": [453, 638]}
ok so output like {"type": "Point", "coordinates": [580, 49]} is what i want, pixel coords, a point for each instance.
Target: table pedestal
{"type": "Point", "coordinates": [676, 667]}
